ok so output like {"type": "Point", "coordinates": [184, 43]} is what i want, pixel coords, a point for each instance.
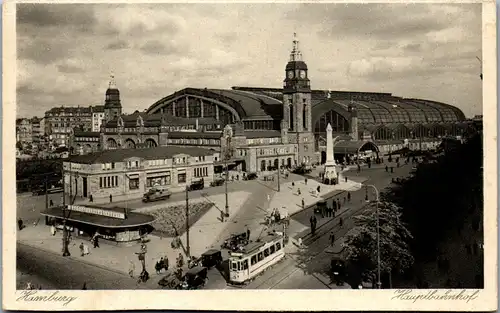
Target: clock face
{"type": "Point", "coordinates": [290, 74]}
{"type": "Point", "coordinates": [302, 74]}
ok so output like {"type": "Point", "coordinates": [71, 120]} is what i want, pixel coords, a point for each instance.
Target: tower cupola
{"type": "Point", "coordinates": [296, 72]}
{"type": "Point", "coordinates": [112, 102]}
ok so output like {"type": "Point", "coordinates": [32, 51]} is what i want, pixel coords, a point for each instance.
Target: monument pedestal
{"type": "Point", "coordinates": [330, 174]}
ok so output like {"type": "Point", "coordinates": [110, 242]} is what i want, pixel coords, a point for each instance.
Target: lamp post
{"type": "Point", "coordinates": [188, 249]}
{"type": "Point", "coordinates": [379, 283]}
{"type": "Point", "coordinates": [227, 156]}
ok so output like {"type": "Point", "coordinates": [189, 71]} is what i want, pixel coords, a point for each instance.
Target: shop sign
{"type": "Point", "coordinates": [96, 211]}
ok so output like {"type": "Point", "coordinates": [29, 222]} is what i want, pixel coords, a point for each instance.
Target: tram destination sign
{"type": "Point", "coordinates": [96, 211]}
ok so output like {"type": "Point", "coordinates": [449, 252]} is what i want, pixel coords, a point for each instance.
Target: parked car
{"type": "Point", "coordinates": [197, 185]}
{"type": "Point", "coordinates": [156, 194]}
{"type": "Point", "coordinates": [250, 176]}
{"type": "Point", "coordinates": [219, 181]}
{"type": "Point", "coordinates": [210, 258]}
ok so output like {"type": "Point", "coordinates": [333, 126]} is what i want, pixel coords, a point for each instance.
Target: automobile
{"type": "Point", "coordinates": [171, 280]}
{"type": "Point", "coordinates": [250, 176]}
{"type": "Point", "coordinates": [219, 181]}
{"type": "Point", "coordinates": [41, 190]}
{"type": "Point", "coordinates": [210, 258]}
{"type": "Point", "coordinates": [197, 185]}
{"type": "Point", "coordinates": [195, 278]}
{"type": "Point", "coordinates": [156, 194]}
{"type": "Point", "coordinates": [338, 267]}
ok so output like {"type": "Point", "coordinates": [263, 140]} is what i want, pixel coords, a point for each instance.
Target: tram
{"type": "Point", "coordinates": [255, 258]}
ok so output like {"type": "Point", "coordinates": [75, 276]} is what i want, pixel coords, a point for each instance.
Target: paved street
{"type": "Point", "coordinates": [301, 269]}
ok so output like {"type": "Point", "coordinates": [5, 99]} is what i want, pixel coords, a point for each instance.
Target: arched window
{"type": "Point", "coordinates": [402, 132]}
{"type": "Point", "coordinates": [111, 143]}
{"type": "Point", "coordinates": [420, 131]}
{"type": "Point", "coordinates": [150, 143]}
{"type": "Point", "coordinates": [290, 116]}
{"type": "Point", "coordinates": [338, 122]}
{"type": "Point", "coordinates": [129, 144]}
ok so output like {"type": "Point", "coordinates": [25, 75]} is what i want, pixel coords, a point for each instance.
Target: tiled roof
{"type": "Point", "coordinates": [118, 155]}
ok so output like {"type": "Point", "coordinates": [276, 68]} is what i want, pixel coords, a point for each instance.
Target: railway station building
{"type": "Point", "coordinates": [279, 126]}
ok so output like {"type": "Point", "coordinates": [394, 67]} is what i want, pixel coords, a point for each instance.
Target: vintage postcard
{"type": "Point", "coordinates": [262, 156]}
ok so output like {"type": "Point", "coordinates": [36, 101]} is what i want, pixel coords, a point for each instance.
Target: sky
{"type": "Point", "coordinates": [67, 52]}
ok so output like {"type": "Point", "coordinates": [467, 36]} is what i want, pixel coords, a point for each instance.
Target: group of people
{"type": "Point", "coordinates": [162, 264]}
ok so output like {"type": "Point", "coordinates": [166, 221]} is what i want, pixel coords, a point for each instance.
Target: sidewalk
{"type": "Point", "coordinates": [118, 258]}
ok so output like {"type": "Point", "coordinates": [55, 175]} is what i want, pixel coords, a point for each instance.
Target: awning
{"type": "Point", "coordinates": [132, 175]}
{"type": "Point", "coordinates": [132, 220]}
{"type": "Point", "coordinates": [353, 147]}
{"type": "Point", "coordinates": [153, 175]}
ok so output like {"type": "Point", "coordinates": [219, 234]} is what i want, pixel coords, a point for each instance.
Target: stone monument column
{"type": "Point", "coordinates": [330, 171]}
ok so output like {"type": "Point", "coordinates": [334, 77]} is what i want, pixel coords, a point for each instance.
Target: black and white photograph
{"type": "Point", "coordinates": [292, 155]}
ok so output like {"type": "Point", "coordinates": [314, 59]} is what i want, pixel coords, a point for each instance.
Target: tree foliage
{"type": "Point", "coordinates": [441, 194]}
{"type": "Point", "coordinates": [361, 241]}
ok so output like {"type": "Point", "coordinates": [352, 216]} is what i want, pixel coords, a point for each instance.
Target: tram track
{"type": "Point", "coordinates": [293, 265]}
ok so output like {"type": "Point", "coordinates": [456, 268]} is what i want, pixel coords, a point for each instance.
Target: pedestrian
{"type": "Point", "coordinates": [298, 191]}
{"type": "Point", "coordinates": [221, 216]}
{"type": "Point", "coordinates": [268, 198]}
{"type": "Point", "coordinates": [305, 180]}
{"type": "Point", "coordinates": [303, 204]}
{"type": "Point", "coordinates": [131, 269]}
{"type": "Point", "coordinates": [166, 263]}
{"type": "Point", "coordinates": [20, 224]}
{"type": "Point", "coordinates": [53, 230]}
{"type": "Point", "coordinates": [248, 234]}
{"type": "Point", "coordinates": [318, 189]}
{"type": "Point", "coordinates": [345, 177]}
{"type": "Point", "coordinates": [81, 249]}
{"type": "Point", "coordinates": [341, 222]}
{"type": "Point", "coordinates": [96, 241]}
{"type": "Point", "coordinates": [293, 184]}
{"type": "Point", "coordinates": [110, 198]}
{"type": "Point", "coordinates": [51, 203]}
{"type": "Point", "coordinates": [338, 204]}
{"type": "Point", "coordinates": [332, 238]}
{"type": "Point", "coordinates": [392, 169]}
{"type": "Point", "coordinates": [86, 250]}
{"type": "Point", "coordinates": [84, 286]}
{"type": "Point", "coordinates": [348, 196]}
{"type": "Point", "coordinates": [91, 198]}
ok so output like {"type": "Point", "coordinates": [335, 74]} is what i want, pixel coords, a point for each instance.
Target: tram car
{"type": "Point", "coordinates": [255, 258]}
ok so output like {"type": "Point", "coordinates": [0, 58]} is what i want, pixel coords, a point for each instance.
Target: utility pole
{"type": "Point", "coordinates": [46, 193]}
{"type": "Point", "coordinates": [188, 249]}
{"type": "Point", "coordinates": [65, 217]}
{"type": "Point", "coordinates": [279, 172]}
{"type": "Point", "coordinates": [227, 156]}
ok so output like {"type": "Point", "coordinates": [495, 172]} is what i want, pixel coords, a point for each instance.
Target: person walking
{"type": "Point", "coordinates": [53, 230]}
{"type": "Point", "coordinates": [131, 269]}
{"type": "Point", "coordinates": [96, 241]}
{"type": "Point", "coordinates": [305, 180]}
{"type": "Point", "coordinates": [338, 205]}
{"type": "Point", "coordinates": [248, 234]}
{"type": "Point", "coordinates": [91, 198]}
{"type": "Point", "coordinates": [303, 204]}
{"type": "Point", "coordinates": [110, 198]}
{"type": "Point", "coordinates": [348, 196]}
{"type": "Point", "coordinates": [81, 249]}
{"type": "Point", "coordinates": [51, 203]}
{"type": "Point", "coordinates": [332, 238]}
{"type": "Point", "coordinates": [341, 222]}
{"type": "Point", "coordinates": [86, 250]}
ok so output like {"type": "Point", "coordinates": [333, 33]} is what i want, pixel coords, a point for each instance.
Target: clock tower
{"type": "Point", "coordinates": [297, 106]}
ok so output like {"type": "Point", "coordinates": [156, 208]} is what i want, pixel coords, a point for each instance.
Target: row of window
{"type": "Point", "coordinates": [264, 141]}
{"type": "Point", "coordinates": [194, 141]}
{"type": "Point", "coordinates": [264, 254]}
{"type": "Point", "coordinates": [201, 172]}
{"type": "Point", "coordinates": [275, 151]}
{"type": "Point", "coordinates": [87, 139]}
{"type": "Point", "coordinates": [108, 182]}
{"type": "Point", "coordinates": [262, 125]}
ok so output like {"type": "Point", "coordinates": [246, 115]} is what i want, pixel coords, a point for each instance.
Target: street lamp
{"type": "Point", "coordinates": [379, 284]}
{"type": "Point", "coordinates": [227, 157]}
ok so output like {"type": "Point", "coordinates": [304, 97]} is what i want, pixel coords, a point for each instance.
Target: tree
{"type": "Point", "coordinates": [361, 242]}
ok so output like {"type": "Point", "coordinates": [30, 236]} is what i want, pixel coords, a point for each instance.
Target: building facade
{"type": "Point", "coordinates": [60, 122]}
{"type": "Point", "coordinates": [287, 125]}
{"type": "Point", "coordinates": [132, 172]}
{"type": "Point", "coordinates": [24, 131]}
{"type": "Point", "coordinates": [97, 117]}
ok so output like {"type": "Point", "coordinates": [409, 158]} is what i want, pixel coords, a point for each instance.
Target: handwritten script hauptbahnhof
{"type": "Point", "coordinates": [435, 294]}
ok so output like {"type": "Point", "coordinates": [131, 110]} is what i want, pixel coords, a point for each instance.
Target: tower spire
{"type": "Point", "coordinates": [295, 55]}
{"type": "Point", "coordinates": [112, 82]}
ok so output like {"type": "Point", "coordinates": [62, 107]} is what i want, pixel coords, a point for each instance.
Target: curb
{"type": "Point", "coordinates": [73, 259]}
